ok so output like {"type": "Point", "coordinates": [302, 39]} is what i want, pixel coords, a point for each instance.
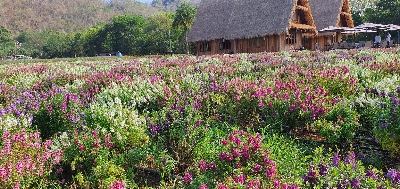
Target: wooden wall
{"type": "Point", "coordinates": [271, 43]}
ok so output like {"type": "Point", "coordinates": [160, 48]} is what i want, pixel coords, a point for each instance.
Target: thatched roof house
{"type": "Point", "coordinates": [251, 25]}
{"type": "Point", "coordinates": [331, 13]}
{"type": "Point", "coordinates": [328, 13]}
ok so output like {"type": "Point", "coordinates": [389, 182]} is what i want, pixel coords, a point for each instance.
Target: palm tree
{"type": "Point", "coordinates": [184, 17]}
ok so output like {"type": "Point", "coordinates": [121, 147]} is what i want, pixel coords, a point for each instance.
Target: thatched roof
{"type": "Point", "coordinates": [327, 12]}
{"type": "Point", "coordinates": [211, 20]}
{"type": "Point", "coordinates": [238, 19]}
{"type": "Point", "coordinates": [259, 18]}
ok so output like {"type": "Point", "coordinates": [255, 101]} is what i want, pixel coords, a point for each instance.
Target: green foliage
{"type": "Point", "coordinates": [386, 12]}
{"type": "Point", "coordinates": [184, 17]}
{"type": "Point", "coordinates": [125, 33]}
{"type": "Point", "coordinates": [332, 171]}
{"type": "Point", "coordinates": [125, 125]}
{"type": "Point", "coordinates": [339, 125]}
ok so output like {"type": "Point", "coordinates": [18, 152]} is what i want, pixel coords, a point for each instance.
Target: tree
{"type": "Point", "coordinates": [184, 17]}
{"type": "Point", "coordinates": [58, 45]}
{"type": "Point", "coordinates": [5, 42]}
{"type": "Point", "coordinates": [361, 5]}
{"type": "Point", "coordinates": [386, 12]}
{"type": "Point", "coordinates": [125, 32]}
{"type": "Point", "coordinates": [158, 32]}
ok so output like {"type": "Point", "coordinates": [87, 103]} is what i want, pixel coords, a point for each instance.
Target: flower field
{"type": "Point", "coordinates": [269, 120]}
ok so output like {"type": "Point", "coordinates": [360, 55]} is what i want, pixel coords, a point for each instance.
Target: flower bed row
{"type": "Point", "coordinates": [205, 122]}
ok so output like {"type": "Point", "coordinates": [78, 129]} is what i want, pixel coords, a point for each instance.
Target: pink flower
{"type": "Point", "coordinates": [255, 184]}
{"type": "Point", "coordinates": [220, 186]}
{"type": "Point", "coordinates": [212, 166]}
{"type": "Point", "coordinates": [187, 178]}
{"type": "Point", "coordinates": [19, 166]}
{"type": "Point", "coordinates": [257, 168]}
{"type": "Point", "coordinates": [271, 172]}
{"type": "Point", "coordinates": [81, 147]}
{"type": "Point", "coordinates": [95, 134]}
{"type": "Point", "coordinates": [203, 166]}
{"type": "Point", "coordinates": [222, 156]}
{"type": "Point", "coordinates": [235, 153]}
{"type": "Point", "coordinates": [237, 141]}
{"type": "Point", "coordinates": [229, 158]}
{"type": "Point", "coordinates": [3, 174]}
{"type": "Point", "coordinates": [108, 141]}
{"type": "Point", "coordinates": [204, 186]}
{"type": "Point", "coordinates": [16, 186]}
{"type": "Point", "coordinates": [224, 142]}
{"type": "Point", "coordinates": [277, 184]}
{"type": "Point", "coordinates": [285, 186]}
{"type": "Point", "coordinates": [117, 185]}
{"type": "Point", "coordinates": [239, 179]}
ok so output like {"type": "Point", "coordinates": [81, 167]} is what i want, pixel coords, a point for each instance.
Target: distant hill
{"type": "Point", "coordinates": [170, 5]}
{"type": "Point", "coordinates": [71, 15]}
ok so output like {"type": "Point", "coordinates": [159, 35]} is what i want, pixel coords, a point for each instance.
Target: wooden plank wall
{"type": "Point", "coordinates": [272, 43]}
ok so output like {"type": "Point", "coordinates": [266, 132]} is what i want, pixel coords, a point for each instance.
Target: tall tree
{"type": "Point", "coordinates": [125, 32]}
{"type": "Point", "coordinates": [5, 42]}
{"type": "Point", "coordinates": [386, 12]}
{"type": "Point", "coordinates": [184, 17]}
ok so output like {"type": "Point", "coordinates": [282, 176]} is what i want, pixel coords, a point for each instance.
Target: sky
{"type": "Point", "coordinates": [145, 1]}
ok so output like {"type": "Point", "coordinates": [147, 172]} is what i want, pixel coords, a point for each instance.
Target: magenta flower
{"type": "Point", "coordinates": [222, 156]}
{"type": "Point", "coordinates": [221, 186]}
{"type": "Point", "coordinates": [271, 172]}
{"type": "Point", "coordinates": [81, 147]}
{"type": "Point", "coordinates": [117, 185]}
{"type": "Point", "coordinates": [187, 178]}
{"type": "Point", "coordinates": [3, 174]}
{"type": "Point", "coordinates": [212, 166]}
{"type": "Point", "coordinates": [17, 185]}
{"type": "Point", "coordinates": [204, 186]}
{"type": "Point", "coordinates": [203, 166]}
{"type": "Point", "coordinates": [257, 168]}
{"type": "Point", "coordinates": [240, 179]}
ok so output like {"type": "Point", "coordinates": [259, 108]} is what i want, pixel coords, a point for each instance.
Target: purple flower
{"type": "Point", "coordinates": [371, 174]}
{"type": "Point", "coordinates": [323, 170]}
{"type": "Point", "coordinates": [212, 166]}
{"type": "Point", "coordinates": [384, 125]}
{"type": "Point", "coordinates": [257, 168]}
{"type": "Point", "coordinates": [187, 178]}
{"type": "Point", "coordinates": [335, 160]}
{"type": "Point", "coordinates": [355, 183]}
{"type": "Point", "coordinates": [271, 172]}
{"type": "Point", "coordinates": [351, 159]}
{"type": "Point", "coordinates": [224, 142]}
{"type": "Point", "coordinates": [239, 179]}
{"type": "Point", "coordinates": [203, 166]}
{"type": "Point", "coordinates": [395, 101]}
{"type": "Point", "coordinates": [393, 174]}
{"type": "Point", "coordinates": [342, 184]}
{"type": "Point", "coordinates": [311, 177]}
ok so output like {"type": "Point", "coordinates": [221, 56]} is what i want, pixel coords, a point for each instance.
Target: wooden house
{"type": "Point", "coordinates": [250, 26]}
{"type": "Point", "coordinates": [329, 13]}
